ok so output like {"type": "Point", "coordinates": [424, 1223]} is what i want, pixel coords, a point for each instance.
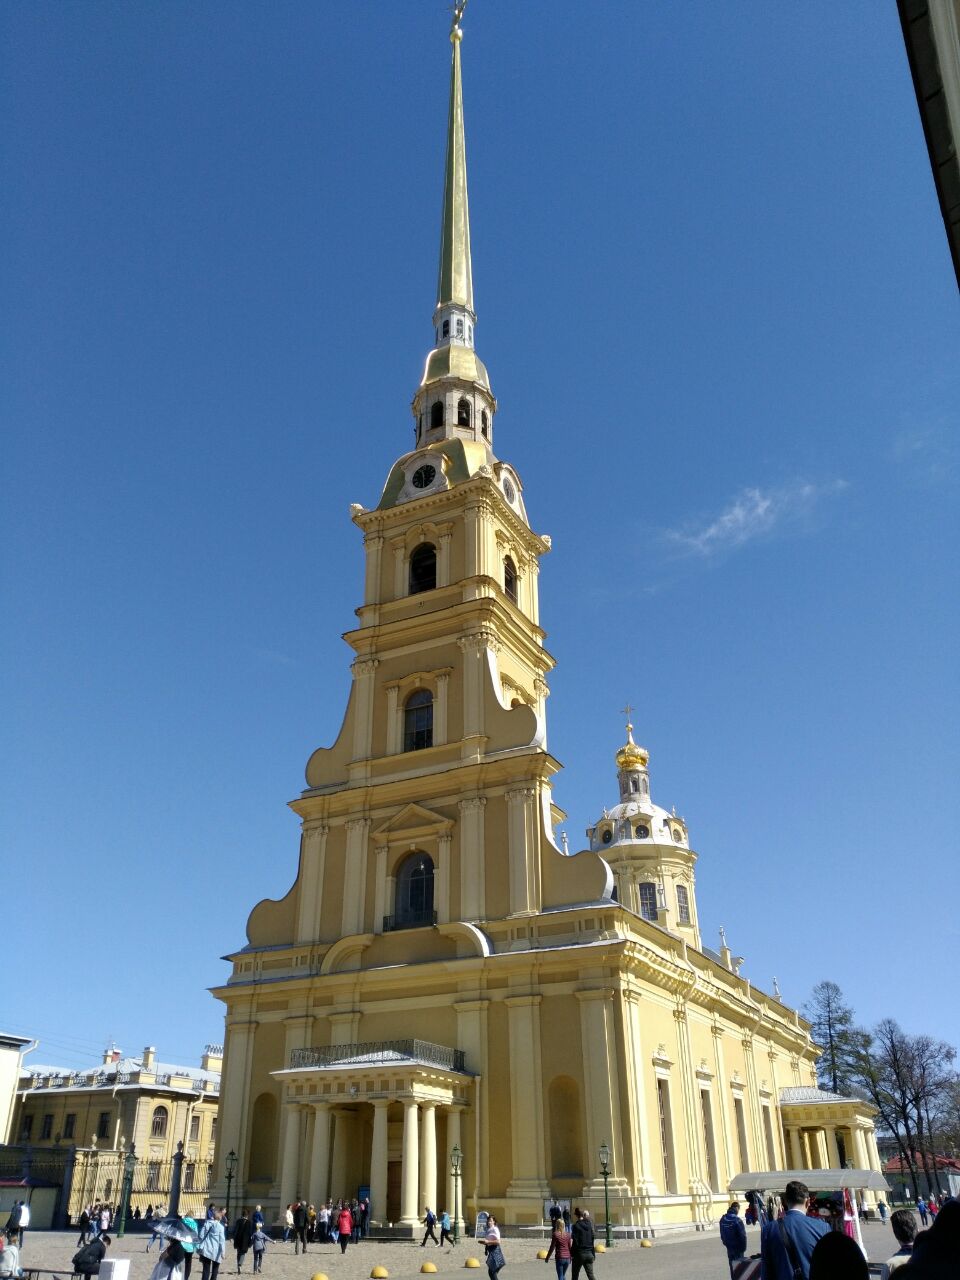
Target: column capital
{"type": "Point", "coordinates": [520, 795]}
{"type": "Point", "coordinates": [518, 1002]}
{"type": "Point", "coordinates": [595, 993]}
{"type": "Point", "coordinates": [471, 804]}
{"type": "Point", "coordinates": [365, 666]}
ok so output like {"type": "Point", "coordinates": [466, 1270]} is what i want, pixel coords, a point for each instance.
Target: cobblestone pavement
{"type": "Point", "coordinates": [690, 1257]}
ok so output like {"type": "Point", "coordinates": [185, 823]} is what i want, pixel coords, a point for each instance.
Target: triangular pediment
{"type": "Point", "coordinates": [413, 820]}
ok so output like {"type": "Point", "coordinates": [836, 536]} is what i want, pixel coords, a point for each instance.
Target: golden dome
{"type": "Point", "coordinates": [630, 756]}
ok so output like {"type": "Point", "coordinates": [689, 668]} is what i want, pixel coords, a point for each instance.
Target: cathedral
{"type": "Point", "coordinates": [448, 1008]}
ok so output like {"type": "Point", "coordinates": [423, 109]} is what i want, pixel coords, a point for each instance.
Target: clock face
{"type": "Point", "coordinates": [642, 832]}
{"type": "Point", "coordinates": [509, 491]}
{"type": "Point", "coordinates": [423, 476]}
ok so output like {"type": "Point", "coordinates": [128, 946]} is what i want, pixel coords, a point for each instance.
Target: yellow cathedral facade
{"type": "Point", "coordinates": [443, 975]}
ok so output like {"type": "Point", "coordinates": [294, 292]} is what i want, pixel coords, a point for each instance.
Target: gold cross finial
{"type": "Point", "coordinates": [626, 711]}
{"type": "Point", "coordinates": [457, 9]}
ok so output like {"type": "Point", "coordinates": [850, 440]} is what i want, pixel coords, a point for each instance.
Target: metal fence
{"type": "Point", "coordinates": [381, 1052]}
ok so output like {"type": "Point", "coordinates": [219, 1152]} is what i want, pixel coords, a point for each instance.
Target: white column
{"type": "Point", "coordinates": [399, 568]}
{"type": "Point", "coordinates": [338, 1171]}
{"type": "Point", "coordinates": [393, 720]}
{"type": "Point", "coordinates": [355, 876]}
{"type": "Point", "coordinates": [522, 850]}
{"type": "Point", "coordinates": [374, 545]}
{"type": "Point", "coordinates": [443, 557]}
{"type": "Point", "coordinates": [440, 710]}
{"type": "Point", "coordinates": [363, 675]}
{"type": "Point", "coordinates": [378, 1161]}
{"type": "Point", "coordinates": [428, 1158]}
{"type": "Point", "coordinates": [472, 877]}
{"type": "Point", "coordinates": [311, 889]}
{"type": "Point", "coordinates": [796, 1148]}
{"type": "Point", "coordinates": [833, 1151]}
{"type": "Point", "coordinates": [380, 890]}
{"type": "Point", "coordinates": [859, 1147]}
{"type": "Point", "coordinates": [442, 898]}
{"type": "Point", "coordinates": [317, 1191]}
{"type": "Point", "coordinates": [291, 1156]}
{"type": "Point", "coordinates": [410, 1170]}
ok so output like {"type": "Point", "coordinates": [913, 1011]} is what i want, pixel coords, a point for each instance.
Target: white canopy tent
{"type": "Point", "coordinates": [815, 1180]}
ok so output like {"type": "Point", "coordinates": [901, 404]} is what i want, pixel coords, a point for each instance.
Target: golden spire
{"type": "Point", "coordinates": [631, 756]}
{"type": "Point", "coordinates": [455, 278]}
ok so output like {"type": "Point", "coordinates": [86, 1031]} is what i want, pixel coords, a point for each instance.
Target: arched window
{"type": "Point", "coordinates": [459, 326]}
{"type": "Point", "coordinates": [648, 900]}
{"type": "Point", "coordinates": [418, 721]}
{"type": "Point", "coordinates": [510, 579]}
{"type": "Point", "coordinates": [423, 568]}
{"type": "Point", "coordinates": [158, 1125]}
{"type": "Point", "coordinates": [485, 424]}
{"type": "Point", "coordinates": [414, 903]}
{"type": "Point", "coordinates": [683, 905]}
{"type": "Point", "coordinates": [446, 328]}
{"type": "Point", "coordinates": [436, 414]}
{"type": "Point", "coordinates": [463, 413]}
{"type": "Point", "coordinates": [634, 784]}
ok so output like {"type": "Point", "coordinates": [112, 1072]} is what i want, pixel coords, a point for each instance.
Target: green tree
{"type": "Point", "coordinates": [832, 1027]}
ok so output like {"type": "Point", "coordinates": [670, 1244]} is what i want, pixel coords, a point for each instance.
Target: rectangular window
{"type": "Point", "coordinates": [768, 1134]}
{"type": "Point", "coordinates": [744, 1150]}
{"type": "Point", "coordinates": [213, 1130]}
{"type": "Point", "coordinates": [194, 1128]}
{"type": "Point", "coordinates": [103, 1124]}
{"type": "Point", "coordinates": [683, 905]}
{"type": "Point", "coordinates": [153, 1176]}
{"type": "Point", "coordinates": [709, 1140]}
{"type": "Point", "coordinates": [69, 1125]}
{"type": "Point", "coordinates": [189, 1176]}
{"type": "Point", "coordinates": [666, 1137]}
{"type": "Point", "coordinates": [46, 1127]}
{"type": "Point", "coordinates": [26, 1128]}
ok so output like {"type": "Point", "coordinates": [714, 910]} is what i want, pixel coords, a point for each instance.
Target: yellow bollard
{"type": "Point", "coordinates": [646, 1244]}
{"type": "Point", "coordinates": [599, 1248]}
{"type": "Point", "coordinates": [472, 1262]}
{"type": "Point", "coordinates": [319, 1275]}
{"type": "Point", "coordinates": [428, 1268]}
{"type": "Point", "coordinates": [379, 1273]}
{"type": "Point", "coordinates": [542, 1255]}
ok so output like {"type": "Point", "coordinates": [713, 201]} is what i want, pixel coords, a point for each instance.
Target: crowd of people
{"type": "Point", "coordinates": [804, 1239]}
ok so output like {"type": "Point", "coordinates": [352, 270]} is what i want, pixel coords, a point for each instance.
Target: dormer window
{"type": "Point", "coordinates": [648, 900]}
{"type": "Point", "coordinates": [683, 905]}
{"type": "Point", "coordinates": [436, 414]}
{"type": "Point", "coordinates": [510, 579]}
{"type": "Point", "coordinates": [463, 413]}
{"type": "Point", "coordinates": [423, 568]}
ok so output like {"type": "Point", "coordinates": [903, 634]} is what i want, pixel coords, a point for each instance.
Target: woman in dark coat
{"type": "Point", "coordinates": [242, 1237]}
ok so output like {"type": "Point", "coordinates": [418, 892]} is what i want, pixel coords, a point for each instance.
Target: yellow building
{"type": "Point", "coordinates": [76, 1125]}
{"type": "Point", "coordinates": [442, 974]}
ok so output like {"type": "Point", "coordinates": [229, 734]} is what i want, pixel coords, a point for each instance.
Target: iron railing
{"type": "Point", "coordinates": [381, 1051]}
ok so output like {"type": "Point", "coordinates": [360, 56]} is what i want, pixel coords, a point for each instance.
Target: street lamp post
{"type": "Point", "coordinates": [605, 1170]}
{"type": "Point", "coordinates": [129, 1166]}
{"type": "Point", "coordinates": [231, 1163]}
{"type": "Point", "coordinates": [456, 1160]}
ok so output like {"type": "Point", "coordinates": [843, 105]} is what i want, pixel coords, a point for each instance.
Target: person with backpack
{"type": "Point", "coordinates": [429, 1221]}
{"type": "Point", "coordinates": [733, 1235]}
{"type": "Point", "coordinates": [211, 1246]}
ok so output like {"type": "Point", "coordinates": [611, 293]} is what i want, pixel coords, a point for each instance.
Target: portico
{"type": "Point", "coordinates": [383, 1116]}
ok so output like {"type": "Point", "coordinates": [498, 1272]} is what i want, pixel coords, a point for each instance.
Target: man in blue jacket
{"type": "Point", "coordinates": [787, 1243]}
{"type": "Point", "coordinates": [733, 1234]}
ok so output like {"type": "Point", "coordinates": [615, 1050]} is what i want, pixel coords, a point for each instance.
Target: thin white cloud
{"type": "Point", "coordinates": [927, 454]}
{"type": "Point", "coordinates": [752, 514]}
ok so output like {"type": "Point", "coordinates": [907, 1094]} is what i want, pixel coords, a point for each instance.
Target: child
{"type": "Point", "coordinates": [259, 1243]}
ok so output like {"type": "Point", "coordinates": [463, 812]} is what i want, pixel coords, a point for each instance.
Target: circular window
{"type": "Point", "coordinates": [509, 491]}
{"type": "Point", "coordinates": [607, 837]}
{"type": "Point", "coordinates": [423, 476]}
{"type": "Point", "coordinates": [642, 832]}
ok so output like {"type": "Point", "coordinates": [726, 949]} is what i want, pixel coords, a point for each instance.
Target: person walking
{"type": "Point", "coordinates": [733, 1235]}
{"type": "Point", "coordinates": [211, 1247]}
{"type": "Point", "coordinates": [922, 1210]}
{"type": "Point", "coordinates": [491, 1243]}
{"type": "Point", "coordinates": [429, 1221]}
{"type": "Point", "coordinates": [259, 1242]}
{"type": "Point", "coordinates": [583, 1247]}
{"type": "Point", "coordinates": [242, 1237]}
{"type": "Point", "coordinates": [299, 1227]}
{"type": "Point", "coordinates": [560, 1245]}
{"type": "Point", "coordinates": [445, 1227]}
{"type": "Point", "coordinates": [84, 1225]}
{"type": "Point", "coordinates": [344, 1226]}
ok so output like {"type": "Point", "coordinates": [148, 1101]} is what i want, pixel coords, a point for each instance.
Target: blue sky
{"type": "Point", "coordinates": [717, 306]}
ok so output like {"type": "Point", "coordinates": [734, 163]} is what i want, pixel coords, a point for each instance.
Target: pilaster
{"type": "Point", "coordinates": [526, 1100]}
{"type": "Point", "coordinates": [364, 671]}
{"type": "Point", "coordinates": [523, 851]}
{"type": "Point", "coordinates": [472, 859]}
{"type": "Point", "coordinates": [601, 1087]}
{"type": "Point", "coordinates": [355, 876]}
{"type": "Point", "coordinates": [313, 859]}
